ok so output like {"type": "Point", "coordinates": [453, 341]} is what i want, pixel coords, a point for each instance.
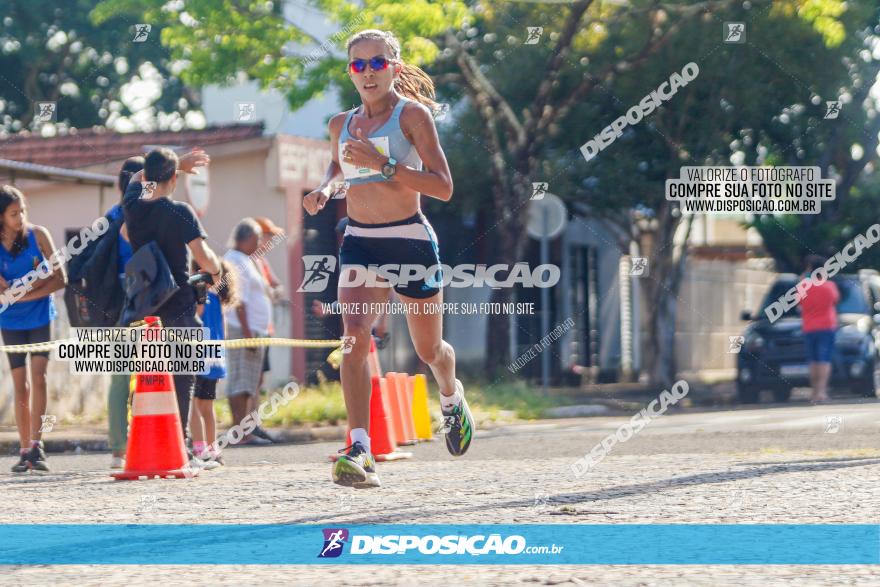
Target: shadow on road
{"type": "Point", "coordinates": [610, 493]}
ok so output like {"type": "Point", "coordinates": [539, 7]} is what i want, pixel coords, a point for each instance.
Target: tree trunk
{"type": "Point", "coordinates": [508, 250]}
{"type": "Point", "coordinates": [660, 298]}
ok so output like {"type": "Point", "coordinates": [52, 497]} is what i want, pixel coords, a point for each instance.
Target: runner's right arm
{"type": "Point", "coordinates": [315, 201]}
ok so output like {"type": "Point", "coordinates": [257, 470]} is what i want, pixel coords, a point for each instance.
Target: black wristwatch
{"type": "Point", "coordinates": [389, 168]}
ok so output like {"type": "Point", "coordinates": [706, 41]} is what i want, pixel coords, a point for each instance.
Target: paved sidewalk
{"type": "Point", "coordinates": [80, 439]}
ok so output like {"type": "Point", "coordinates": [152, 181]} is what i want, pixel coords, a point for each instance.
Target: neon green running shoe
{"type": "Point", "coordinates": [458, 425]}
{"type": "Point", "coordinates": [356, 468]}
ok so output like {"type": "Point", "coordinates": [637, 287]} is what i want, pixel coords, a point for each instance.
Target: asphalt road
{"type": "Point", "coordinates": [776, 464]}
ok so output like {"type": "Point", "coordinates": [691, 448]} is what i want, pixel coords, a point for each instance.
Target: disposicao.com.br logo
{"type": "Point", "coordinates": [451, 544]}
{"type": "Point", "coordinates": [319, 268]}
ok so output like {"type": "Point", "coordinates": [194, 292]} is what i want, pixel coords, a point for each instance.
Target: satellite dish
{"type": "Point", "coordinates": [547, 216]}
{"type": "Point", "coordinates": [197, 191]}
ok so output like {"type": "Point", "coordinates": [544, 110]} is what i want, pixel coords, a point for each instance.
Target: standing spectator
{"type": "Point", "coordinates": [177, 231]}
{"type": "Point", "coordinates": [271, 234]}
{"type": "Point", "coordinates": [819, 324]}
{"type": "Point", "coordinates": [27, 320]}
{"type": "Point", "coordinates": [203, 424]}
{"type": "Point", "coordinates": [117, 396]}
{"type": "Point", "coordinates": [249, 319]}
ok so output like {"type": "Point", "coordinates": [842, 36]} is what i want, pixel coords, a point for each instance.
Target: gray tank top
{"type": "Point", "coordinates": [400, 148]}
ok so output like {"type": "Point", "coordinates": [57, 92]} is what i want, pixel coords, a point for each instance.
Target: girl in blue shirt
{"type": "Point", "coordinates": [27, 318]}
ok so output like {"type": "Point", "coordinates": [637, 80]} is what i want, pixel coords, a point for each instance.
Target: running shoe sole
{"type": "Point", "coordinates": [346, 472]}
{"type": "Point", "coordinates": [466, 412]}
{"type": "Point", "coordinates": [371, 481]}
{"type": "Point", "coordinates": [470, 421]}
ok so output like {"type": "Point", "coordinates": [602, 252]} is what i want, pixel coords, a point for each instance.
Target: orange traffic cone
{"type": "Point", "coordinates": [404, 402]}
{"type": "Point", "coordinates": [155, 441]}
{"type": "Point", "coordinates": [373, 360]}
{"type": "Point", "coordinates": [407, 386]}
{"type": "Point", "coordinates": [396, 409]}
{"type": "Point", "coordinates": [382, 443]}
{"type": "Point", "coordinates": [388, 406]}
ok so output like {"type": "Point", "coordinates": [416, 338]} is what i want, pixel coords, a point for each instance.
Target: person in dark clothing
{"type": "Point", "coordinates": [117, 396]}
{"type": "Point", "coordinates": [151, 215]}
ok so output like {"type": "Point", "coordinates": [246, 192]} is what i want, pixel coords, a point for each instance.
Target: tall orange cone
{"type": "Point", "coordinates": [396, 409]}
{"type": "Point", "coordinates": [155, 440]}
{"type": "Point", "coordinates": [389, 409]}
{"type": "Point", "coordinates": [373, 360]}
{"type": "Point", "coordinates": [382, 443]}
{"type": "Point", "coordinates": [420, 410]}
{"type": "Point", "coordinates": [404, 391]}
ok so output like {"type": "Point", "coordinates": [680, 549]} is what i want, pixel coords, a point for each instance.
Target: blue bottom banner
{"type": "Point", "coordinates": [548, 544]}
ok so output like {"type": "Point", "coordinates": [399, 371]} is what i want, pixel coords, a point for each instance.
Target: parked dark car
{"type": "Point", "coordinates": [773, 355]}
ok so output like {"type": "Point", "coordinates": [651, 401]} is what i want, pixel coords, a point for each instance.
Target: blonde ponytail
{"type": "Point", "coordinates": [412, 82]}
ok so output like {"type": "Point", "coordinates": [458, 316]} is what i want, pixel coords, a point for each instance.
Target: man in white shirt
{"type": "Point", "coordinates": [249, 319]}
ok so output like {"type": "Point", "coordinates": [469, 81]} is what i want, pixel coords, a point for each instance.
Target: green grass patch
{"type": "Point", "coordinates": [497, 401]}
{"type": "Point", "coordinates": [324, 404]}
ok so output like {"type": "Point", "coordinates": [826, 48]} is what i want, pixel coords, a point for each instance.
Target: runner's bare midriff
{"type": "Point", "coordinates": [379, 202]}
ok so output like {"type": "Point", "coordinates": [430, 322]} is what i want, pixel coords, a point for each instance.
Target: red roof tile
{"type": "Point", "coordinates": [83, 147]}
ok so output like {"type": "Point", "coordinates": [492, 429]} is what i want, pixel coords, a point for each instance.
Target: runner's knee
{"type": "Point", "coordinates": [430, 353]}
{"type": "Point", "coordinates": [361, 333]}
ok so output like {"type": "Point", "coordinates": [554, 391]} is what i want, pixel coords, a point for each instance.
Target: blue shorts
{"type": "Point", "coordinates": [820, 345]}
{"type": "Point", "coordinates": [410, 241]}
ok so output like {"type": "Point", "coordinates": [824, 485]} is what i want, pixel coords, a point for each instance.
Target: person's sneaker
{"type": "Point", "coordinates": [260, 433]}
{"type": "Point", "coordinates": [458, 425]}
{"type": "Point", "coordinates": [207, 463]}
{"type": "Point", "coordinates": [23, 465]}
{"type": "Point", "coordinates": [208, 460]}
{"type": "Point", "coordinates": [117, 462]}
{"type": "Point", "coordinates": [37, 457]}
{"type": "Point", "coordinates": [254, 440]}
{"type": "Point", "coordinates": [356, 468]}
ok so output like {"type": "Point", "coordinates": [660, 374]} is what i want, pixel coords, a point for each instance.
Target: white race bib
{"type": "Point", "coordinates": [349, 171]}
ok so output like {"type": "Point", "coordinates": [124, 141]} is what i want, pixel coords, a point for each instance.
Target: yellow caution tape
{"type": "Point", "coordinates": [238, 343]}
{"type": "Point", "coordinates": [36, 347]}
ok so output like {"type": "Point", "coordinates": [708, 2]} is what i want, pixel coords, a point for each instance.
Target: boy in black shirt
{"type": "Point", "coordinates": [151, 215]}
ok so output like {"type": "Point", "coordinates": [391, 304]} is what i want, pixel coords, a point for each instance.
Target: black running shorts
{"type": "Point", "coordinates": [407, 248]}
{"type": "Point", "coordinates": [29, 336]}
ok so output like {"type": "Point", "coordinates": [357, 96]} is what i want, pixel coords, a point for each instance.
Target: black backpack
{"type": "Point", "coordinates": [94, 295]}
{"type": "Point", "coordinates": [149, 283]}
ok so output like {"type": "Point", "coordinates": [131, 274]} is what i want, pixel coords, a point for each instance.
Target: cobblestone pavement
{"type": "Point", "coordinates": [771, 465]}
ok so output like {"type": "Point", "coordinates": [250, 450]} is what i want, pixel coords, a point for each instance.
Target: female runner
{"type": "Point", "coordinates": [389, 152]}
